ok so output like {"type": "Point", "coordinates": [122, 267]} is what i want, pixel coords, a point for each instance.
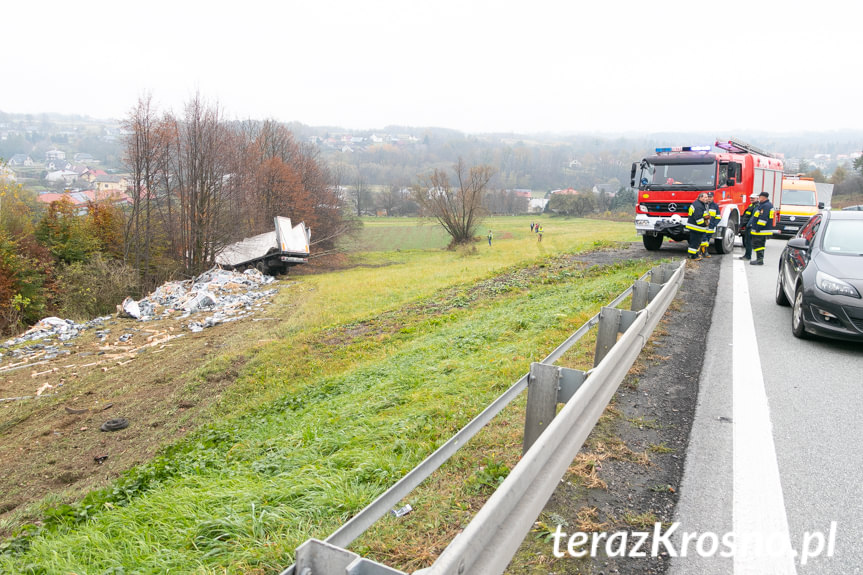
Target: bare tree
{"type": "Point", "coordinates": [361, 190]}
{"type": "Point", "coordinates": [457, 206]}
{"type": "Point", "coordinates": [202, 153]}
{"type": "Point", "coordinates": [201, 182]}
{"type": "Point", "coordinates": [141, 157]}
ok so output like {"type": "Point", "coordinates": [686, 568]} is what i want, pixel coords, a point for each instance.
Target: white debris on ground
{"type": "Point", "coordinates": [228, 294]}
{"type": "Point", "coordinates": [225, 295]}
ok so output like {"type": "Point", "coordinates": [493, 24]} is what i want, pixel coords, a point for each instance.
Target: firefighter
{"type": "Point", "coordinates": [697, 226]}
{"type": "Point", "coordinates": [713, 212]}
{"type": "Point", "coordinates": [745, 228]}
{"type": "Point", "coordinates": [761, 226]}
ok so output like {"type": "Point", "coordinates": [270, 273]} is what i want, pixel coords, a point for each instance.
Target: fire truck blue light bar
{"type": "Point", "coordinates": [683, 149]}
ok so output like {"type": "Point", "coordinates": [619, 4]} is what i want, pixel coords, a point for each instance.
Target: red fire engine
{"type": "Point", "coordinates": [671, 180]}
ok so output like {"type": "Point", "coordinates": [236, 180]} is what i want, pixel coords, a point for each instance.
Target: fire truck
{"type": "Point", "coordinates": [669, 181]}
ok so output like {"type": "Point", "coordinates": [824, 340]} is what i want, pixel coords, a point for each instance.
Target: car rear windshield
{"type": "Point", "coordinates": [844, 237]}
{"type": "Point", "coordinates": [798, 197]}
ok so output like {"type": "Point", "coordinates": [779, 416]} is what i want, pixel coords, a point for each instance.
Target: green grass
{"type": "Point", "coordinates": [369, 371]}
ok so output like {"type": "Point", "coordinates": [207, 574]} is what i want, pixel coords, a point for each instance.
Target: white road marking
{"type": "Point", "coordinates": [762, 541]}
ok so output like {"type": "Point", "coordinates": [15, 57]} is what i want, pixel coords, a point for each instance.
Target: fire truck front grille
{"type": "Point", "coordinates": [665, 207]}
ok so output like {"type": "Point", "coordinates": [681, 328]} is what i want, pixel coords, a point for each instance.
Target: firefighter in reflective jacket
{"type": "Point", "coordinates": [713, 212]}
{"type": "Point", "coordinates": [697, 225]}
{"type": "Point", "coordinates": [761, 227]}
{"type": "Point", "coordinates": [745, 228]}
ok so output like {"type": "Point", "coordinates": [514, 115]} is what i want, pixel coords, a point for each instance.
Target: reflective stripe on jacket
{"type": "Point", "coordinates": [747, 215]}
{"type": "Point", "coordinates": [762, 220]}
{"type": "Point", "coordinates": [696, 217]}
{"type": "Point", "coordinates": [714, 215]}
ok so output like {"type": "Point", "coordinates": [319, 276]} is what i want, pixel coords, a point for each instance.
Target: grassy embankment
{"type": "Point", "coordinates": [370, 369]}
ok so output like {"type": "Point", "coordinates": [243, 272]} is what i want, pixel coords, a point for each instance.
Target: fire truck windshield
{"type": "Point", "coordinates": [678, 176]}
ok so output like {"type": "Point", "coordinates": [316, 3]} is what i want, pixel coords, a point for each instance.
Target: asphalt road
{"type": "Point", "coordinates": [776, 444]}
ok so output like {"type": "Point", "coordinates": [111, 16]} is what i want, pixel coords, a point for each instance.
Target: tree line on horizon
{"type": "Point", "coordinates": [200, 182]}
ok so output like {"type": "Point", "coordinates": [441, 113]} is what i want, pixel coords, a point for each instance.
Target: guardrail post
{"type": "Point", "coordinates": [640, 290]}
{"type": "Point", "coordinates": [315, 557]}
{"type": "Point", "coordinates": [542, 388]}
{"type": "Point", "coordinates": [606, 333]}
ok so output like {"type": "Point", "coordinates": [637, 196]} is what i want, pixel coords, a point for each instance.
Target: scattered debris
{"type": "Point", "coordinates": [71, 411]}
{"type": "Point", "coordinates": [221, 291]}
{"type": "Point", "coordinates": [402, 510]}
{"type": "Point", "coordinates": [225, 295]}
{"type": "Point", "coordinates": [115, 424]}
{"type": "Point", "coordinates": [4, 399]}
{"type": "Point", "coordinates": [100, 459]}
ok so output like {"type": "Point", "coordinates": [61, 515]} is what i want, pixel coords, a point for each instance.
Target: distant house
{"type": "Point", "coordinates": [610, 189]}
{"type": "Point", "coordinates": [65, 176]}
{"type": "Point", "coordinates": [83, 158]}
{"type": "Point", "coordinates": [566, 192]}
{"type": "Point", "coordinates": [91, 175]}
{"type": "Point", "coordinates": [82, 198]}
{"type": "Point", "coordinates": [20, 160]}
{"type": "Point", "coordinates": [111, 184]}
{"type": "Point", "coordinates": [536, 205]}
{"type": "Point", "coordinates": [55, 155]}
{"type": "Point", "coordinates": [57, 164]}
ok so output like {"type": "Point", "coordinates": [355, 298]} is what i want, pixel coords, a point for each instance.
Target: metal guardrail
{"type": "Point", "coordinates": [551, 442]}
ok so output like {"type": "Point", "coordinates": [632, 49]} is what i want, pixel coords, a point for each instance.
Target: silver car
{"type": "Point", "coordinates": [821, 276]}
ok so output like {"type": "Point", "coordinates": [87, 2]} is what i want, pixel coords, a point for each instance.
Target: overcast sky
{"type": "Point", "coordinates": [474, 66]}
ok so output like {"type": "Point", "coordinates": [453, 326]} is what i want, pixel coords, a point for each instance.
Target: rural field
{"type": "Point", "coordinates": [250, 437]}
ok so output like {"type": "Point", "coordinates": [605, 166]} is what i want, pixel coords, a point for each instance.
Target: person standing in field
{"type": "Point", "coordinates": [539, 231]}
{"type": "Point", "coordinates": [489, 238]}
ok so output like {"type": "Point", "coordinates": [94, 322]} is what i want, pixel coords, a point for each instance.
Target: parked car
{"type": "Point", "coordinates": [821, 276]}
{"type": "Point", "coordinates": [857, 208]}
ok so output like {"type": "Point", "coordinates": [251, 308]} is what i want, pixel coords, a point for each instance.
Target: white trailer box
{"type": "Point", "coordinates": [270, 252]}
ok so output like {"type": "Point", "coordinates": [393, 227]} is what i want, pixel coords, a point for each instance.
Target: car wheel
{"type": "Point", "coordinates": [651, 243]}
{"type": "Point", "coordinates": [781, 298]}
{"type": "Point", "coordinates": [797, 327]}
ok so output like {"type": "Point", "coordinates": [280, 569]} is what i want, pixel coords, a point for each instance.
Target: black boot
{"type": "Point", "coordinates": [757, 262]}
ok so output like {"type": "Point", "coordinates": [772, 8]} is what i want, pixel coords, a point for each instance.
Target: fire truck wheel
{"type": "Point", "coordinates": [651, 243]}
{"type": "Point", "coordinates": [724, 242]}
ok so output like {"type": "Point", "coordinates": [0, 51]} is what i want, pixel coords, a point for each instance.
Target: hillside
{"type": "Point", "coordinates": [254, 435]}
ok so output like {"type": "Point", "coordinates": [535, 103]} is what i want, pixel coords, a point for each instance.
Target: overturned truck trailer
{"type": "Point", "coordinates": [271, 252]}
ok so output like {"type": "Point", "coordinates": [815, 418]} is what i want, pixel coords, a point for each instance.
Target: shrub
{"type": "Point", "coordinates": [93, 288]}
{"type": "Point", "coordinates": [25, 272]}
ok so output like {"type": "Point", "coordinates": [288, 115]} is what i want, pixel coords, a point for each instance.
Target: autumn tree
{"type": "Point", "coordinates": [579, 204]}
{"type": "Point", "coordinates": [26, 268]}
{"type": "Point", "coordinates": [201, 153]}
{"type": "Point", "coordinates": [455, 202]}
{"type": "Point", "coordinates": [140, 157]}
{"type": "Point", "coordinates": [201, 182]}
{"type": "Point", "coordinates": [66, 233]}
